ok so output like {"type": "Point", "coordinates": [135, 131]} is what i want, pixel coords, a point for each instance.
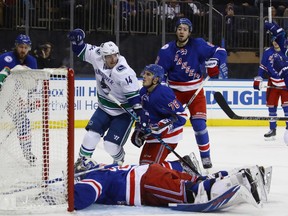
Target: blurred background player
{"type": "Point", "coordinates": [8, 60]}
{"type": "Point", "coordinates": [113, 76]}
{"type": "Point", "coordinates": [164, 117]}
{"type": "Point", "coordinates": [182, 60]}
{"type": "Point", "coordinates": [276, 88]}
{"type": "Point", "coordinates": [155, 185]}
{"type": "Point", "coordinates": [280, 59]}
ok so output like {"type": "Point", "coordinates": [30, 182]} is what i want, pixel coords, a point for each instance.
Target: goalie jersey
{"type": "Point", "coordinates": [120, 81]}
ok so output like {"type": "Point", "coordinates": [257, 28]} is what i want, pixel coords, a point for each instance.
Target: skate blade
{"type": "Point", "coordinates": [270, 138]}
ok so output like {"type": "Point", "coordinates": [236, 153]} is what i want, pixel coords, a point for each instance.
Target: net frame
{"type": "Point", "coordinates": [46, 75]}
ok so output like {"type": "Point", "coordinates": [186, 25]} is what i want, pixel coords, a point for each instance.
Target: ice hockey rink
{"type": "Point", "coordinates": [231, 147]}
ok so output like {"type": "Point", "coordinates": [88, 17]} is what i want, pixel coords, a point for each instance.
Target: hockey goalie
{"type": "Point", "coordinates": [155, 185]}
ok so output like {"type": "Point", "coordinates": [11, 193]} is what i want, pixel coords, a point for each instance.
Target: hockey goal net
{"type": "Point", "coordinates": [37, 141]}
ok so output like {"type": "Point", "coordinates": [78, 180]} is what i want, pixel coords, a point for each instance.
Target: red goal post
{"type": "Point", "coordinates": [37, 141]}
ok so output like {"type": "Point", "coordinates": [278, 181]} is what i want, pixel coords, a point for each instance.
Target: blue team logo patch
{"type": "Point", "coordinates": [165, 46]}
{"type": "Point", "coordinates": [8, 59]}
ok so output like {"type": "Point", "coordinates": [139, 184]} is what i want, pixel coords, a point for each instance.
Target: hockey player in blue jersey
{"type": "Point", "coordinates": [155, 185]}
{"type": "Point", "coordinates": [280, 60]}
{"type": "Point", "coordinates": [114, 77]}
{"type": "Point", "coordinates": [8, 60]}
{"type": "Point", "coordinates": [275, 87]}
{"type": "Point", "coordinates": [163, 117]}
{"type": "Point", "coordinates": [182, 60]}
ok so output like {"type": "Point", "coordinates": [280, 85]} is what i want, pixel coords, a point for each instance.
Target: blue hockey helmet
{"type": "Point", "coordinates": [156, 70]}
{"type": "Point", "coordinates": [23, 39]}
{"type": "Point", "coordinates": [185, 21]}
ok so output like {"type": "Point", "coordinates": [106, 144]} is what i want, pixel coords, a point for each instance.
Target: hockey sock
{"type": "Point", "coordinates": [272, 113]}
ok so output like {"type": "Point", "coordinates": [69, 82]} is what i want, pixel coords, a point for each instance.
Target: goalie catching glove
{"type": "Point", "coordinates": [3, 75]}
{"type": "Point", "coordinates": [212, 67]}
{"type": "Point", "coordinates": [258, 82]}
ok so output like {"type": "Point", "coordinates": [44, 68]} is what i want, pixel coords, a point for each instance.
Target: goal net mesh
{"type": "Point", "coordinates": [36, 122]}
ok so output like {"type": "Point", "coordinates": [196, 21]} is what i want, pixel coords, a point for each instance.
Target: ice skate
{"type": "Point", "coordinates": [193, 163]}
{"type": "Point", "coordinates": [84, 163]}
{"type": "Point", "coordinates": [271, 135]}
{"type": "Point", "coordinates": [206, 162]}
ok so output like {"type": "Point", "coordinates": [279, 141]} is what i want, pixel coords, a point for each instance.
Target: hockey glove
{"type": "Point", "coordinates": [137, 137]}
{"type": "Point", "coordinates": [258, 82]}
{"type": "Point", "coordinates": [137, 109]}
{"type": "Point", "coordinates": [274, 29]}
{"type": "Point", "coordinates": [76, 36]}
{"type": "Point", "coordinates": [162, 127]}
{"type": "Point", "coordinates": [280, 64]}
{"type": "Point", "coordinates": [143, 121]}
{"type": "Point", "coordinates": [212, 67]}
{"type": "Point", "coordinates": [3, 74]}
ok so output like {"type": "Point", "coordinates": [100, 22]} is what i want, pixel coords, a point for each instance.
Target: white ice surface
{"type": "Point", "coordinates": [230, 147]}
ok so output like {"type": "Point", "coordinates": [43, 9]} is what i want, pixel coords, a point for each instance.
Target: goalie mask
{"type": "Point", "coordinates": [108, 48]}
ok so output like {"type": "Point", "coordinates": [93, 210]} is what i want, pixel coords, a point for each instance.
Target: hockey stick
{"type": "Point", "coordinates": [7, 136]}
{"type": "Point", "coordinates": [229, 112]}
{"type": "Point", "coordinates": [176, 154]}
{"type": "Point", "coordinates": [157, 137]}
{"type": "Point", "coordinates": [47, 182]}
{"type": "Point", "coordinates": [57, 180]}
{"type": "Point", "coordinates": [103, 167]}
{"type": "Point", "coordinates": [197, 92]}
{"type": "Point", "coordinates": [174, 117]}
{"type": "Point", "coordinates": [121, 106]}
{"type": "Point", "coordinates": [275, 87]}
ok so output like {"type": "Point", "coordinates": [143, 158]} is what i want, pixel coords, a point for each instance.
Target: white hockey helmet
{"type": "Point", "coordinates": [108, 48]}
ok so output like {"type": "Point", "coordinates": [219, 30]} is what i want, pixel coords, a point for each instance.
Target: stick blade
{"type": "Point", "coordinates": [224, 106]}
{"type": "Point", "coordinates": [210, 206]}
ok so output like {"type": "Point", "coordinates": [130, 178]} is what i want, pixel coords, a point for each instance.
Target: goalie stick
{"type": "Point", "coordinates": [57, 180]}
{"type": "Point", "coordinates": [211, 205]}
{"type": "Point", "coordinates": [229, 112]}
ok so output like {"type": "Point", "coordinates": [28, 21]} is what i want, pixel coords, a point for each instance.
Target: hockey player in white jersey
{"type": "Point", "coordinates": [113, 77]}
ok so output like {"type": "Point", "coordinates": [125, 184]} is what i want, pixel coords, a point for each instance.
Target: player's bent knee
{"type": "Point", "coordinates": [91, 139]}
{"type": "Point", "coordinates": [199, 124]}
{"type": "Point", "coordinates": [112, 148]}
